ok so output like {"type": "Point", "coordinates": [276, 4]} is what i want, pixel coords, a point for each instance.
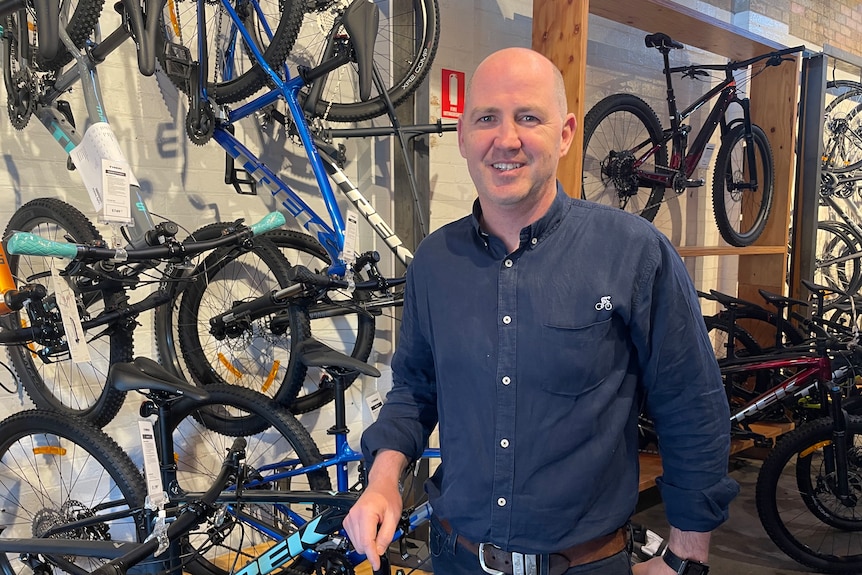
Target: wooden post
{"type": "Point", "coordinates": [560, 33]}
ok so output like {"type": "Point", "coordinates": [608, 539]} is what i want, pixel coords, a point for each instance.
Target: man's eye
{"type": "Point", "coordinates": [529, 118]}
{"type": "Point", "coordinates": [485, 119]}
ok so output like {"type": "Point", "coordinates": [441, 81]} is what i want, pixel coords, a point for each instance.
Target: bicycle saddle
{"type": "Point", "coordinates": [661, 41]}
{"type": "Point", "coordinates": [144, 373]}
{"type": "Point", "coordinates": [361, 21]}
{"type": "Point", "coordinates": [316, 354]}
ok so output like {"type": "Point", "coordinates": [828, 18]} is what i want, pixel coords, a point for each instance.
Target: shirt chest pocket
{"type": "Point", "coordinates": [575, 359]}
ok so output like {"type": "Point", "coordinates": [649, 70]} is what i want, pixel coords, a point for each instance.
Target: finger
{"type": "Point", "coordinates": [386, 532]}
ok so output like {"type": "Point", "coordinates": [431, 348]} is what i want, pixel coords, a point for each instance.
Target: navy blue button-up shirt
{"type": "Point", "coordinates": [535, 365]}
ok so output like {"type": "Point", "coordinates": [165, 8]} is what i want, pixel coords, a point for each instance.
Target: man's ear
{"type": "Point", "coordinates": [460, 129]}
{"type": "Point", "coordinates": [570, 125]}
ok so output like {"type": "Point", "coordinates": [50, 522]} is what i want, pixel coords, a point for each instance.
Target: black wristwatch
{"type": "Point", "coordinates": [684, 566]}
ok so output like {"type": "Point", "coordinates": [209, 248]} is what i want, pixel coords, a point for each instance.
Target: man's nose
{"type": "Point", "coordinates": [507, 135]}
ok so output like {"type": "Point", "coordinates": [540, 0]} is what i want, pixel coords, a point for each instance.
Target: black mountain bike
{"type": "Point", "coordinates": [626, 158]}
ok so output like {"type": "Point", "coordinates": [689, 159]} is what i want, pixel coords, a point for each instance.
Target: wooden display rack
{"type": "Point", "coordinates": [560, 33]}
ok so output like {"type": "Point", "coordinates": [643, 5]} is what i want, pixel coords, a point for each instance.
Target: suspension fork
{"type": "Point", "coordinates": [836, 457]}
{"type": "Point", "coordinates": [750, 152]}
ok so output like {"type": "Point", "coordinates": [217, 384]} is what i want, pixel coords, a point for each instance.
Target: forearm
{"type": "Point", "coordinates": [387, 469]}
{"type": "Point", "coordinates": [689, 544]}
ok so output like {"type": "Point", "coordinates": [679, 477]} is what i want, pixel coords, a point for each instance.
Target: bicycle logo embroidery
{"type": "Point", "coordinates": [605, 303]}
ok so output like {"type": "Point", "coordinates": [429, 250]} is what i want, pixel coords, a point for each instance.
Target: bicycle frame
{"type": "Point", "coordinates": [60, 125]}
{"type": "Point", "coordinates": [684, 158]}
{"type": "Point", "coordinates": [331, 233]}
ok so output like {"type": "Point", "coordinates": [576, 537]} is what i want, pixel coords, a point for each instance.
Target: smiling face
{"type": "Point", "coordinates": [514, 130]}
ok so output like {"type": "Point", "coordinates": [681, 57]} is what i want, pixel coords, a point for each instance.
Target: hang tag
{"type": "Point", "coordinates": [351, 230]}
{"type": "Point", "coordinates": [706, 158]}
{"type": "Point", "coordinates": [67, 305]}
{"type": "Point", "coordinates": [151, 464]}
{"type": "Point", "coordinates": [375, 403]}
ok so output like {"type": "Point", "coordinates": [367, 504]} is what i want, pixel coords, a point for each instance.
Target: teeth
{"type": "Point", "coordinates": [506, 167]}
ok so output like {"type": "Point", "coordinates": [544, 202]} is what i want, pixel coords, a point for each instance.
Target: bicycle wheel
{"type": "Point", "coordinates": [47, 372]}
{"type": "Point", "coordinates": [764, 323]}
{"type": "Point", "coordinates": [232, 73]}
{"type": "Point", "coordinates": [407, 38]}
{"type": "Point", "coordinates": [741, 213]}
{"type": "Point", "coordinates": [745, 345]}
{"type": "Point", "coordinates": [338, 320]}
{"type": "Point", "coordinates": [797, 502]}
{"type": "Point", "coordinates": [835, 243]}
{"type": "Point", "coordinates": [56, 470]}
{"type": "Point", "coordinates": [842, 126]}
{"type": "Point", "coordinates": [83, 16]}
{"type": "Point", "coordinates": [251, 355]}
{"type": "Point", "coordinates": [614, 131]}
{"type": "Point", "coordinates": [276, 443]}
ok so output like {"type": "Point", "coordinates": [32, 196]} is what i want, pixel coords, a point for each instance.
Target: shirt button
{"type": "Point", "coordinates": [501, 502]}
{"type": "Point", "coordinates": [507, 320]}
{"type": "Point", "coordinates": [507, 380]}
{"type": "Point", "coordinates": [534, 241]}
{"type": "Point", "coordinates": [508, 263]}
{"type": "Point", "coordinates": [504, 443]}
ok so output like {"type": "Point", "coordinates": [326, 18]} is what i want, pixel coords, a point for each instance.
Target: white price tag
{"type": "Point", "coordinates": [151, 464]}
{"type": "Point", "coordinates": [116, 177]}
{"type": "Point", "coordinates": [374, 402]}
{"type": "Point", "coordinates": [706, 158]}
{"type": "Point", "coordinates": [351, 227]}
{"type": "Point", "coordinates": [67, 305]}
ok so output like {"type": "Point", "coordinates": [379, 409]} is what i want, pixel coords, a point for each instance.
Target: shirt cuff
{"type": "Point", "coordinates": [699, 510]}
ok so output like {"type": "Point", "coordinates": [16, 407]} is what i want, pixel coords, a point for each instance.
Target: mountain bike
{"type": "Point", "coordinates": [342, 318]}
{"type": "Point", "coordinates": [66, 325]}
{"type": "Point", "coordinates": [72, 497]}
{"type": "Point", "coordinates": [626, 160]}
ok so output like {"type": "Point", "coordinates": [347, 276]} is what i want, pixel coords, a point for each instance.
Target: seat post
{"type": "Point", "coordinates": [339, 389]}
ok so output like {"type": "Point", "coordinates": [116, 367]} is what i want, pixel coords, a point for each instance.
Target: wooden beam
{"type": "Point", "coordinates": [685, 25]}
{"type": "Point", "coordinates": [560, 33]}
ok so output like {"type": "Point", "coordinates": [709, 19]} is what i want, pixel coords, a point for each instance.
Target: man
{"type": "Point", "coordinates": [533, 331]}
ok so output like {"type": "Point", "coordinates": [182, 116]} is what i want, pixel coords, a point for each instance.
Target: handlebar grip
{"type": "Point", "coordinates": [27, 244]}
{"type": "Point", "coordinates": [303, 275]}
{"type": "Point", "coordinates": [272, 221]}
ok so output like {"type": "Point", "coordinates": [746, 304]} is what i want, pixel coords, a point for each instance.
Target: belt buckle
{"type": "Point", "coordinates": [522, 563]}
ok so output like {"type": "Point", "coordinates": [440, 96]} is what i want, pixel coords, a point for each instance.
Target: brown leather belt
{"type": "Point", "coordinates": [495, 560]}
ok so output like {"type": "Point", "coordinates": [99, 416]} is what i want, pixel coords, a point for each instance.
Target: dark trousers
{"type": "Point", "coordinates": [451, 558]}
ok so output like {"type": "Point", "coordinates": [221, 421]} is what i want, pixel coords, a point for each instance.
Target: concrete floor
{"type": "Point", "coordinates": [740, 546]}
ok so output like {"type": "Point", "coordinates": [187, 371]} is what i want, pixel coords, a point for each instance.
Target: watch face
{"type": "Point", "coordinates": [694, 568]}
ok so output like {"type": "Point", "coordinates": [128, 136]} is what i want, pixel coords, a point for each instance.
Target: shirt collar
{"type": "Point", "coordinates": [538, 230]}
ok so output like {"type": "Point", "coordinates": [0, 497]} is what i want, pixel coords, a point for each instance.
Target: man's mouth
{"type": "Point", "coordinates": [506, 166]}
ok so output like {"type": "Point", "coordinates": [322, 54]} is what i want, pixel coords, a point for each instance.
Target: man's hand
{"type": "Point", "coordinates": [689, 544]}
{"type": "Point", "coordinates": [374, 517]}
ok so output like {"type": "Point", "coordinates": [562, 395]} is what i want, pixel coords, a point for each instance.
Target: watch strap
{"type": "Point", "coordinates": [680, 565]}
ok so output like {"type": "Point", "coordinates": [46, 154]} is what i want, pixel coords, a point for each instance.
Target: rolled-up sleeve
{"type": "Point", "coordinates": [684, 394]}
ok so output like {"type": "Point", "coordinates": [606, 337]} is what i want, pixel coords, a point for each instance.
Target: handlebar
{"type": "Point", "coordinates": [773, 59]}
{"type": "Point", "coordinates": [24, 243]}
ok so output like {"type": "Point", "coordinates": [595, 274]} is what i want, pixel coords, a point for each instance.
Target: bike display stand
{"type": "Point", "coordinates": [560, 32]}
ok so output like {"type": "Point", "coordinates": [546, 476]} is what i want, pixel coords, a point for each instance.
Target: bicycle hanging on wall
{"type": "Point", "coordinates": [626, 161]}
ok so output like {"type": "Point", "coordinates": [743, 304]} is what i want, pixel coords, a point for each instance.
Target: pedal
{"type": "Point", "coordinates": [178, 64]}
{"type": "Point", "coordinates": [239, 178]}
{"type": "Point", "coordinates": [694, 183]}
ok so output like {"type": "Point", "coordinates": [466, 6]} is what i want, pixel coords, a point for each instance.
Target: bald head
{"type": "Point", "coordinates": [521, 61]}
